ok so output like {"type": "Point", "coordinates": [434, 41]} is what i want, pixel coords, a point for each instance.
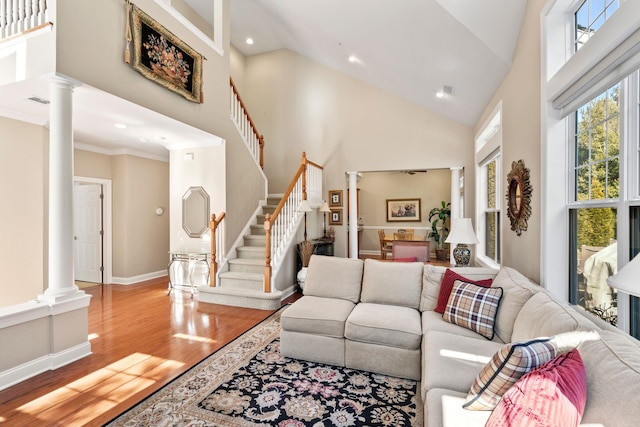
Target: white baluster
{"type": "Point", "coordinates": [3, 21]}
{"type": "Point", "coordinates": [14, 18]}
{"type": "Point", "coordinates": [42, 12]}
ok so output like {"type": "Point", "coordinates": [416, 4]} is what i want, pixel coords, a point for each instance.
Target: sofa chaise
{"type": "Point", "coordinates": [413, 320]}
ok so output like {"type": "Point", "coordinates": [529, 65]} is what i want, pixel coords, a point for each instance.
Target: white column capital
{"type": "Point", "coordinates": [456, 168]}
{"type": "Point", "coordinates": [60, 80]}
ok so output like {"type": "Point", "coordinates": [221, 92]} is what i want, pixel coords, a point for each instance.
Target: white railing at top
{"type": "Point", "coordinates": [18, 16]}
{"type": "Point", "coordinates": [281, 226]}
{"type": "Point", "coordinates": [246, 127]}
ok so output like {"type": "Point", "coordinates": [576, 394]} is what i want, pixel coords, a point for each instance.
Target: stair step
{"type": "Point", "coordinates": [269, 209]}
{"type": "Point", "coordinates": [255, 240]}
{"type": "Point", "coordinates": [246, 265]}
{"type": "Point", "coordinates": [252, 252]}
{"type": "Point", "coordinates": [257, 230]}
{"type": "Point", "coordinates": [237, 279]}
{"type": "Point", "coordinates": [239, 297]}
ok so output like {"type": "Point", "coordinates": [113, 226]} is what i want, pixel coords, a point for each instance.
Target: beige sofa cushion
{"type": "Point", "coordinates": [453, 361]}
{"type": "Point", "coordinates": [394, 283]}
{"type": "Point", "coordinates": [334, 277]}
{"type": "Point", "coordinates": [432, 321]}
{"type": "Point", "coordinates": [389, 325]}
{"type": "Point", "coordinates": [443, 408]}
{"type": "Point", "coordinates": [517, 290]}
{"type": "Point", "coordinates": [318, 316]}
{"type": "Point", "coordinates": [432, 277]}
{"type": "Point", "coordinates": [613, 380]}
{"type": "Point", "coordinates": [543, 316]}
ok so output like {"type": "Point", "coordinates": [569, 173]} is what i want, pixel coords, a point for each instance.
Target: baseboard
{"type": "Point", "coordinates": [42, 364]}
{"type": "Point", "coordinates": [138, 279]}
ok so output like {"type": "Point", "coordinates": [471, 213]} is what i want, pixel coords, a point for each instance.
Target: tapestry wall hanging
{"type": "Point", "coordinates": [162, 57]}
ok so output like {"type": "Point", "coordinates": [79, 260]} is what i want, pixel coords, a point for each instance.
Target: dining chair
{"type": "Point", "coordinates": [386, 248]}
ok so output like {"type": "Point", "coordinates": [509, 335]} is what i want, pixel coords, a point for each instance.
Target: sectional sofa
{"type": "Point", "coordinates": [381, 317]}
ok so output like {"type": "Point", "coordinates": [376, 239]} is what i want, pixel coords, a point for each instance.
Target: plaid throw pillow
{"type": "Point", "coordinates": [506, 367]}
{"type": "Point", "coordinates": [473, 307]}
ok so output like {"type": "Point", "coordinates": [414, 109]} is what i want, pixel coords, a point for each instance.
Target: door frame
{"type": "Point", "coordinates": [107, 226]}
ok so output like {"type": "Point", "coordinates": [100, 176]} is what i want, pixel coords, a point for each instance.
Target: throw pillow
{"type": "Point", "coordinates": [553, 394]}
{"type": "Point", "coordinates": [506, 367]}
{"type": "Point", "coordinates": [473, 307]}
{"type": "Point", "coordinates": [446, 285]}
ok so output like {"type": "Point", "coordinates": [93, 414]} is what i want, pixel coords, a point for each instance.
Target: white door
{"type": "Point", "coordinates": [87, 226]}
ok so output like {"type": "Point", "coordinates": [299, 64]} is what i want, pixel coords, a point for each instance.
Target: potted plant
{"type": "Point", "coordinates": [438, 217]}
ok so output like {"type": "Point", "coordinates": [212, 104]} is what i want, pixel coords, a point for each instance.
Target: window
{"type": "Point", "coordinates": [590, 17]}
{"type": "Point", "coordinates": [591, 155]}
{"type": "Point", "coordinates": [593, 212]}
{"type": "Point", "coordinates": [489, 192]}
{"type": "Point", "coordinates": [491, 233]}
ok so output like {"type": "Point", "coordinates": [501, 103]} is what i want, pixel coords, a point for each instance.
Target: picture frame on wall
{"type": "Point", "coordinates": [400, 210]}
{"type": "Point", "coordinates": [336, 217]}
{"type": "Point", "coordinates": [335, 198]}
{"type": "Point", "coordinates": [163, 58]}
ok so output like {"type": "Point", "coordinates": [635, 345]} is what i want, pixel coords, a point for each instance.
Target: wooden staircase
{"type": "Point", "coordinates": [243, 284]}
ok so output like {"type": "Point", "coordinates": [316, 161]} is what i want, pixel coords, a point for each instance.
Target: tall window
{"type": "Point", "coordinates": [492, 210]}
{"type": "Point", "coordinates": [593, 212]}
{"type": "Point", "coordinates": [590, 17]}
{"type": "Point", "coordinates": [489, 191]}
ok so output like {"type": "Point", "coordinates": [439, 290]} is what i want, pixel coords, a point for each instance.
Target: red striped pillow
{"type": "Point", "coordinates": [553, 394]}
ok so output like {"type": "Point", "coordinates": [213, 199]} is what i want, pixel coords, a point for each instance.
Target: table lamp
{"type": "Point", "coordinates": [462, 233]}
{"type": "Point", "coordinates": [305, 207]}
{"type": "Point", "coordinates": [324, 209]}
{"type": "Point", "coordinates": [626, 279]}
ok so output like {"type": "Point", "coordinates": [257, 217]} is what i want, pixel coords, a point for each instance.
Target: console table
{"type": "Point", "coordinates": [184, 265]}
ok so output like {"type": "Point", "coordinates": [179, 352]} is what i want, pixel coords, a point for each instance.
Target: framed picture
{"type": "Point", "coordinates": [403, 210]}
{"type": "Point", "coordinates": [335, 198]}
{"type": "Point", "coordinates": [336, 217]}
{"type": "Point", "coordinates": [162, 57]}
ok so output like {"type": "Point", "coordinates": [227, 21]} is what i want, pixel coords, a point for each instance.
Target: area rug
{"type": "Point", "coordinates": [248, 383]}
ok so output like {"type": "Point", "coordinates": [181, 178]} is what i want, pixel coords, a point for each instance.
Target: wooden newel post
{"type": "Point", "coordinates": [214, 264]}
{"type": "Point", "coordinates": [267, 258]}
{"type": "Point", "coordinates": [213, 268]}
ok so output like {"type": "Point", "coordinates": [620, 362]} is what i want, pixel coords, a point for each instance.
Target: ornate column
{"type": "Point", "coordinates": [61, 284]}
{"type": "Point", "coordinates": [353, 214]}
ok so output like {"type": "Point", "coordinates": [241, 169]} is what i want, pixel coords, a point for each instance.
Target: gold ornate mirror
{"type": "Point", "coordinates": [518, 196]}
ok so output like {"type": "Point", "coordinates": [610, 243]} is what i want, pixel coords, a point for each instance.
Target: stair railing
{"type": "Point", "coordinates": [217, 246]}
{"type": "Point", "coordinates": [19, 16]}
{"type": "Point", "coordinates": [280, 226]}
{"type": "Point", "coordinates": [240, 116]}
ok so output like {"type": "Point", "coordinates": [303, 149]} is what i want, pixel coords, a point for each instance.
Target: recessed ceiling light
{"type": "Point", "coordinates": [440, 94]}
{"type": "Point", "coordinates": [120, 125]}
{"type": "Point", "coordinates": [352, 58]}
{"type": "Point", "coordinates": [249, 40]}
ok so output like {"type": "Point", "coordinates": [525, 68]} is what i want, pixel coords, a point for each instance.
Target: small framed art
{"type": "Point", "coordinates": [336, 217]}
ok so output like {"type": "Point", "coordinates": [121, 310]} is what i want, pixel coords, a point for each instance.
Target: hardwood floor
{"type": "Point", "coordinates": [141, 339]}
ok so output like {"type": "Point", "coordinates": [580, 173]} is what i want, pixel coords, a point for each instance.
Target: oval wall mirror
{"type": "Point", "coordinates": [518, 197]}
{"type": "Point", "coordinates": [195, 211]}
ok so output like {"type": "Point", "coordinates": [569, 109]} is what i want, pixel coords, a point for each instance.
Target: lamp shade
{"type": "Point", "coordinates": [324, 207]}
{"type": "Point", "coordinates": [626, 279]}
{"type": "Point", "coordinates": [462, 232]}
{"type": "Point", "coordinates": [304, 206]}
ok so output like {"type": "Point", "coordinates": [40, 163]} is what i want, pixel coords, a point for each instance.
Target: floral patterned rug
{"type": "Point", "coordinates": [248, 383]}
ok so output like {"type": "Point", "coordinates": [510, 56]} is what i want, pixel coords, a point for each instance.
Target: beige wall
{"type": "Point", "coordinates": [23, 170]}
{"type": "Point", "coordinates": [520, 96]}
{"type": "Point", "coordinates": [141, 238]}
{"type": "Point", "coordinates": [91, 50]}
{"type": "Point", "coordinates": [343, 124]}
{"type": "Point", "coordinates": [375, 188]}
{"type": "Point", "coordinates": [92, 165]}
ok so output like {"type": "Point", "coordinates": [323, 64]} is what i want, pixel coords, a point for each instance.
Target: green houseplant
{"type": "Point", "coordinates": [438, 217]}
